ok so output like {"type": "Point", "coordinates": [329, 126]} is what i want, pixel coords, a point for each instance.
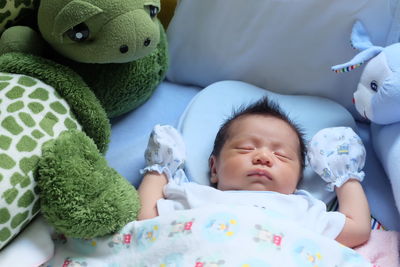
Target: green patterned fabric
{"type": "Point", "coordinates": [31, 113]}
{"type": "Point", "coordinates": [12, 11]}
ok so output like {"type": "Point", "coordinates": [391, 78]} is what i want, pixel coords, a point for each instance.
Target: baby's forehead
{"type": "Point", "coordinates": [258, 117]}
{"type": "Point", "coordinates": [281, 131]}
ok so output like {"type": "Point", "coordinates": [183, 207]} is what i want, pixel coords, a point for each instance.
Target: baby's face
{"type": "Point", "coordinates": [261, 153]}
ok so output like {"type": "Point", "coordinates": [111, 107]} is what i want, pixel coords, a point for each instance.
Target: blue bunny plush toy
{"type": "Point", "coordinates": [377, 98]}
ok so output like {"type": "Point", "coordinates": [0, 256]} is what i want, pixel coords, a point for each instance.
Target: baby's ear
{"type": "Point", "coordinates": [212, 162]}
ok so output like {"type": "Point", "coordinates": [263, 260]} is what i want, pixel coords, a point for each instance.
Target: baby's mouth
{"type": "Point", "coordinates": [261, 173]}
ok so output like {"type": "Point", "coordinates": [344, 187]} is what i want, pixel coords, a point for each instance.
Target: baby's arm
{"type": "Point", "coordinates": [150, 191]}
{"type": "Point", "coordinates": [337, 155]}
{"type": "Point", "coordinates": [164, 155]}
{"type": "Point", "coordinates": [353, 204]}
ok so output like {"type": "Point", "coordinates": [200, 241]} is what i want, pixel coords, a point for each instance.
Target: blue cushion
{"type": "Point", "coordinates": [130, 132]}
{"type": "Point", "coordinates": [287, 46]}
{"type": "Point", "coordinates": [214, 104]}
{"type": "Point", "coordinates": [208, 109]}
{"type": "Point", "coordinates": [386, 142]}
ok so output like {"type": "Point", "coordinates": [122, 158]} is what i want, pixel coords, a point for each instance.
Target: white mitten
{"type": "Point", "coordinates": [165, 152]}
{"type": "Point", "coordinates": [337, 154]}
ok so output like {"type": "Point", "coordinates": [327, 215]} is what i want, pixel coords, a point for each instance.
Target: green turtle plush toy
{"type": "Point", "coordinates": [12, 12]}
{"type": "Point", "coordinates": [60, 81]}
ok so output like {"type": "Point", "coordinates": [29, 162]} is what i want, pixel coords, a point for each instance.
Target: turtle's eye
{"type": "Point", "coordinates": [374, 85]}
{"type": "Point", "coordinates": [153, 11]}
{"type": "Point", "coordinates": [78, 33]}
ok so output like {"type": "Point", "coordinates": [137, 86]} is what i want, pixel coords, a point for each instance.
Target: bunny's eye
{"type": "Point", "coordinates": [374, 86]}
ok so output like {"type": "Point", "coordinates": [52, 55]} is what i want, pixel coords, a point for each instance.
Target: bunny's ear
{"type": "Point", "coordinates": [358, 60]}
{"type": "Point", "coordinates": [359, 37]}
{"type": "Point", "coordinates": [359, 40]}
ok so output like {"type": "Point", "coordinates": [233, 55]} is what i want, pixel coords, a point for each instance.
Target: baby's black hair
{"type": "Point", "coordinates": [265, 107]}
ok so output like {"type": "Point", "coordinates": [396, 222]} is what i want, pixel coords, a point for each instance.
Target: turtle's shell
{"type": "Point", "coordinates": [31, 114]}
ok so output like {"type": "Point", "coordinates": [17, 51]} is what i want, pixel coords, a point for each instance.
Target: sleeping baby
{"type": "Point", "coordinates": [253, 215]}
{"type": "Point", "coordinates": [257, 161]}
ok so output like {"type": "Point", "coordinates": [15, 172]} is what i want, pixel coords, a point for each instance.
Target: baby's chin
{"type": "Point", "coordinates": [256, 187]}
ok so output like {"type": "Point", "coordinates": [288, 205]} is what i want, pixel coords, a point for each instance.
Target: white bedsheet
{"type": "Point", "coordinates": [30, 248]}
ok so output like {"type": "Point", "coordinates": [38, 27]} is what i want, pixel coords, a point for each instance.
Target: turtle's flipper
{"type": "Point", "coordinates": [81, 196]}
{"type": "Point", "coordinates": [21, 39]}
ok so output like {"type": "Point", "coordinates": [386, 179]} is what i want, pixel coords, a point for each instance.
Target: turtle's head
{"type": "Point", "coordinates": [100, 31]}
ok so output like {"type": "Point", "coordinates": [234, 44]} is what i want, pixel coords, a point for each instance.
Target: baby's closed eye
{"type": "Point", "coordinates": [283, 155]}
{"type": "Point", "coordinates": [245, 148]}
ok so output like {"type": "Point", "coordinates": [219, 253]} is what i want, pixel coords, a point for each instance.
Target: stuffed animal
{"type": "Point", "coordinates": [377, 97]}
{"type": "Point", "coordinates": [13, 12]}
{"type": "Point", "coordinates": [79, 33]}
{"type": "Point", "coordinates": [89, 61]}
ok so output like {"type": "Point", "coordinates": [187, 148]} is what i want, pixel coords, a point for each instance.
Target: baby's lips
{"type": "Point", "coordinates": [259, 172]}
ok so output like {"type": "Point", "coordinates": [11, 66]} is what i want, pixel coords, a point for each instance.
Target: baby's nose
{"type": "Point", "coordinates": [263, 157]}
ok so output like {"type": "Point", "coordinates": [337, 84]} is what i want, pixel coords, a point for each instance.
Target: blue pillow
{"type": "Point", "coordinates": [213, 105]}
{"type": "Point", "coordinates": [287, 46]}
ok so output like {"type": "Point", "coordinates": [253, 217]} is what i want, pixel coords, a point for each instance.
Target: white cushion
{"type": "Point", "coordinates": [286, 46]}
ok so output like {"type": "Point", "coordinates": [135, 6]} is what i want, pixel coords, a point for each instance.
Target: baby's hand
{"type": "Point", "coordinates": [337, 154]}
{"type": "Point", "coordinates": [165, 151]}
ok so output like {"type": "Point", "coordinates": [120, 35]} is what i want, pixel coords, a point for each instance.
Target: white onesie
{"type": "Point", "coordinates": [299, 207]}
